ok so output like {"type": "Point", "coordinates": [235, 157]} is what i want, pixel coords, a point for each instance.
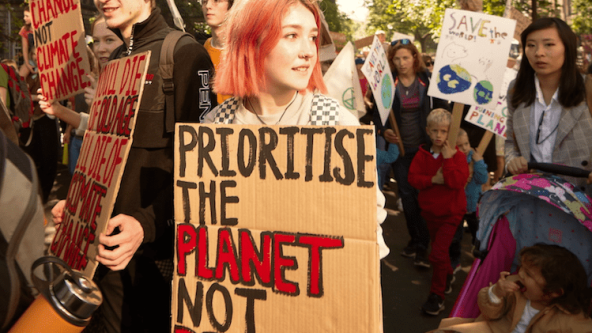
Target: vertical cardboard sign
{"type": "Point", "coordinates": [522, 22]}
{"type": "Point", "coordinates": [103, 156]}
{"type": "Point", "coordinates": [468, 67]}
{"type": "Point", "coordinates": [380, 79]}
{"type": "Point", "coordinates": [494, 120]}
{"type": "Point", "coordinates": [275, 229]}
{"type": "Point", "coordinates": [60, 47]}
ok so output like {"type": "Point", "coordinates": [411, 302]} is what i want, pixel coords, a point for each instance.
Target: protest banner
{"type": "Point", "coordinates": [467, 69]}
{"type": "Point", "coordinates": [343, 83]}
{"type": "Point", "coordinates": [494, 120]}
{"type": "Point", "coordinates": [60, 44]}
{"type": "Point", "coordinates": [363, 42]}
{"type": "Point", "coordinates": [380, 80]}
{"type": "Point", "coordinates": [522, 22]}
{"type": "Point", "coordinates": [275, 229]}
{"type": "Point", "coordinates": [102, 160]}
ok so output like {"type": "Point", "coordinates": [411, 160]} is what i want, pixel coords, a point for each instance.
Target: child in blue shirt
{"type": "Point", "coordinates": [478, 176]}
{"type": "Point", "coordinates": [387, 157]}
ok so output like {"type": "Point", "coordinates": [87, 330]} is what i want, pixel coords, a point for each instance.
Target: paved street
{"type": "Point", "coordinates": [404, 287]}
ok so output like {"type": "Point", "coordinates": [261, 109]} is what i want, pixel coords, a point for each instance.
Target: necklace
{"type": "Point", "coordinates": [283, 113]}
{"type": "Point", "coordinates": [410, 88]}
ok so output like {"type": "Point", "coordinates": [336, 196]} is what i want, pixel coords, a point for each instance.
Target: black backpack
{"type": "Point", "coordinates": [21, 230]}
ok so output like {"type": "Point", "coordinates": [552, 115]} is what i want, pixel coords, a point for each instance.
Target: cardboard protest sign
{"type": "Point", "coordinates": [380, 79]}
{"type": "Point", "coordinates": [522, 22]}
{"type": "Point", "coordinates": [343, 83]}
{"type": "Point", "coordinates": [60, 47]}
{"type": "Point", "coordinates": [103, 156]}
{"type": "Point", "coordinates": [468, 67]}
{"type": "Point", "coordinates": [275, 229]}
{"type": "Point", "coordinates": [494, 121]}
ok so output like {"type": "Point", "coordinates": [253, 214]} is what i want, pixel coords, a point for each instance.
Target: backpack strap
{"type": "Point", "coordinates": [166, 66]}
{"type": "Point", "coordinates": [7, 127]}
{"type": "Point", "coordinates": [324, 111]}
{"type": "Point", "coordinates": [26, 166]}
{"type": "Point", "coordinates": [226, 111]}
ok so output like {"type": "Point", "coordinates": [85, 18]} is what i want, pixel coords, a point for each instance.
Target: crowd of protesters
{"type": "Point", "coordinates": [439, 182]}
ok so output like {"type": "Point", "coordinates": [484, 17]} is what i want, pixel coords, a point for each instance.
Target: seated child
{"type": "Point", "coordinates": [477, 176]}
{"type": "Point", "coordinates": [549, 294]}
{"type": "Point", "coordinates": [439, 171]}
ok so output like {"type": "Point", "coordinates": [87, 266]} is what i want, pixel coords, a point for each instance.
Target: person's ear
{"type": "Point", "coordinates": [554, 294]}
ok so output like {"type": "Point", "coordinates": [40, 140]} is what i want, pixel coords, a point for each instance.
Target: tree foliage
{"type": "Point", "coordinates": [423, 18]}
{"type": "Point", "coordinates": [582, 24]}
{"type": "Point", "coordinates": [191, 13]}
{"type": "Point", "coordinates": [11, 34]}
{"type": "Point", "coordinates": [420, 18]}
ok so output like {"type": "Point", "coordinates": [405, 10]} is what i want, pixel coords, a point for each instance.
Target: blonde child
{"type": "Point", "coordinates": [439, 171]}
{"type": "Point", "coordinates": [477, 176]}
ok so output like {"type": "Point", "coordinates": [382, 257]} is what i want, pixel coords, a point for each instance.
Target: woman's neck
{"type": "Point", "coordinates": [549, 85]}
{"type": "Point", "coordinates": [266, 104]}
{"type": "Point", "coordinates": [407, 79]}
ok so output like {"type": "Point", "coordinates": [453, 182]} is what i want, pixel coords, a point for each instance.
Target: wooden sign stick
{"type": "Point", "coordinates": [457, 112]}
{"type": "Point", "coordinates": [484, 142]}
{"type": "Point", "coordinates": [396, 129]}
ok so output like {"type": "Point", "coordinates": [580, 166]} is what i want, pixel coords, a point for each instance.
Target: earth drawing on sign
{"type": "Point", "coordinates": [387, 92]}
{"type": "Point", "coordinates": [453, 79]}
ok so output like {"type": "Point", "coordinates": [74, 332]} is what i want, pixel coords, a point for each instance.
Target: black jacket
{"type": "Point", "coordinates": [426, 105]}
{"type": "Point", "coordinates": [146, 190]}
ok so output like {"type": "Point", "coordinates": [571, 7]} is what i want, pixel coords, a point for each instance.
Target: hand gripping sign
{"type": "Point", "coordinates": [102, 160]}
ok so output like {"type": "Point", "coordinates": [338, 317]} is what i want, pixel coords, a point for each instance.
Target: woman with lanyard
{"type": "Point", "coordinates": [411, 107]}
{"type": "Point", "coordinates": [548, 118]}
{"type": "Point", "coordinates": [271, 67]}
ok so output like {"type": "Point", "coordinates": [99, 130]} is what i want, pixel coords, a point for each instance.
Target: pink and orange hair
{"type": "Point", "coordinates": [253, 29]}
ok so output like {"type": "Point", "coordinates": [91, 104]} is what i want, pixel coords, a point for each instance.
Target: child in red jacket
{"type": "Point", "coordinates": [440, 172]}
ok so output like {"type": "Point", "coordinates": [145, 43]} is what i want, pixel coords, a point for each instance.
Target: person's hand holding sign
{"type": "Point", "coordinates": [390, 136]}
{"type": "Point", "coordinates": [128, 240]}
{"type": "Point", "coordinates": [90, 91]}
{"type": "Point", "coordinates": [58, 212]}
{"type": "Point", "coordinates": [447, 150]}
{"type": "Point", "coordinates": [518, 165]}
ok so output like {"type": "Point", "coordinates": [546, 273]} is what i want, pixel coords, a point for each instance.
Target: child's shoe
{"type": "Point", "coordinates": [434, 305]}
{"type": "Point", "coordinates": [409, 251]}
{"type": "Point", "coordinates": [421, 259]}
{"type": "Point", "coordinates": [450, 278]}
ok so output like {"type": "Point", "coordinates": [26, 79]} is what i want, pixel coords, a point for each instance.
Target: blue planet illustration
{"type": "Point", "coordinates": [386, 92]}
{"type": "Point", "coordinates": [453, 79]}
{"type": "Point", "coordinates": [483, 93]}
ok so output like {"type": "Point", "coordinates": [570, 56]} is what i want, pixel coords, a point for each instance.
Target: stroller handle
{"type": "Point", "coordinates": [559, 169]}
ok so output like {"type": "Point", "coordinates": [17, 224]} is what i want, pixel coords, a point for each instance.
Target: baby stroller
{"type": "Point", "coordinates": [520, 211]}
